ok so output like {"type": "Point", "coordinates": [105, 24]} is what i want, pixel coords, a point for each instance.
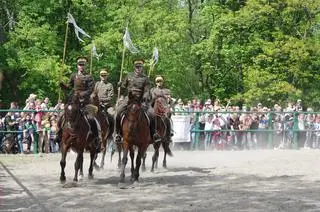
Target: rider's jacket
{"type": "Point", "coordinates": [82, 86]}
{"type": "Point", "coordinates": [138, 85]}
{"type": "Point", "coordinates": [104, 91]}
{"type": "Point", "coordinates": [160, 91]}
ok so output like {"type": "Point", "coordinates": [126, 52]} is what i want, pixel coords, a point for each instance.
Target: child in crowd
{"type": "Point", "coordinates": [53, 133]}
{"type": "Point", "coordinates": [29, 130]}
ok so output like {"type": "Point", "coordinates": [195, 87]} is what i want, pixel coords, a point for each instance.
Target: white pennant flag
{"type": "Point", "coordinates": [94, 52]}
{"type": "Point", "coordinates": [77, 29]}
{"type": "Point", "coordinates": [155, 56]}
{"type": "Point", "coordinates": [127, 42]}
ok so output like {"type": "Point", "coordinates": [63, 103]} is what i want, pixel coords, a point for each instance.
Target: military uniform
{"type": "Point", "coordinates": [104, 90]}
{"type": "Point", "coordinates": [81, 85]}
{"type": "Point", "coordinates": [160, 91]}
{"type": "Point", "coordinates": [138, 85]}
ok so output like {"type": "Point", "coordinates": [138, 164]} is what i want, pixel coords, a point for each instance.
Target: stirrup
{"type": "Point", "coordinates": [156, 137]}
{"type": "Point", "coordinates": [117, 138]}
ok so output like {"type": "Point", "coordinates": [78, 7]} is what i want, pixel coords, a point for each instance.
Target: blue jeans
{"type": "Point", "coordinates": [53, 146]}
{"type": "Point", "coordinates": [20, 138]}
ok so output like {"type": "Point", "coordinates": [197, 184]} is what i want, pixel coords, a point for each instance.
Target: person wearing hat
{"type": "Point", "coordinates": [81, 85]}
{"type": "Point", "coordinates": [160, 91]}
{"type": "Point", "coordinates": [298, 105]}
{"type": "Point", "coordinates": [103, 90]}
{"type": "Point", "coordinates": [138, 84]}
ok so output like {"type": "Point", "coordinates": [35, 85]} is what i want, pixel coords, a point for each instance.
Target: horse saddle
{"type": "Point", "coordinates": [123, 115]}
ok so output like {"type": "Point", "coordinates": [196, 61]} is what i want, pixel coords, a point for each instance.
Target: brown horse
{"type": "Point", "coordinates": [162, 122]}
{"type": "Point", "coordinates": [79, 133]}
{"type": "Point", "coordinates": [135, 132]}
{"type": "Point", "coordinates": [107, 124]}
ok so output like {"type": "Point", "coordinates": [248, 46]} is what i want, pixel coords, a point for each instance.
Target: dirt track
{"type": "Point", "coordinates": [262, 180]}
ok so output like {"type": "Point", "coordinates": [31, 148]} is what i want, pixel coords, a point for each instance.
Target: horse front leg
{"type": "Point", "coordinates": [155, 156]}
{"type": "Point", "coordinates": [123, 164]}
{"type": "Point", "coordinates": [81, 166]}
{"type": "Point", "coordinates": [93, 156]}
{"type": "Point", "coordinates": [119, 155]}
{"type": "Point", "coordinates": [63, 163]}
{"type": "Point", "coordinates": [95, 165]}
{"type": "Point", "coordinates": [138, 164]}
{"type": "Point", "coordinates": [165, 146]}
{"type": "Point", "coordinates": [102, 158]}
{"type": "Point", "coordinates": [77, 165]}
{"type": "Point", "coordinates": [132, 162]}
{"type": "Point", "coordinates": [143, 166]}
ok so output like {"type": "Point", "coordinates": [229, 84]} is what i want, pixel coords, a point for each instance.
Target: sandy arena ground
{"type": "Point", "coordinates": [261, 180]}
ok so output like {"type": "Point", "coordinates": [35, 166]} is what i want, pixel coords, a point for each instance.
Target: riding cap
{"type": "Point", "coordinates": [82, 60]}
{"type": "Point", "coordinates": [104, 72]}
{"type": "Point", "coordinates": [138, 63]}
{"type": "Point", "coordinates": [159, 78]}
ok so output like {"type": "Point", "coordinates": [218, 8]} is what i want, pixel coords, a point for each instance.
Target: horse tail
{"type": "Point", "coordinates": [168, 150]}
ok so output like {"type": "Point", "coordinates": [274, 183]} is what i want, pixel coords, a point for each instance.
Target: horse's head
{"type": "Point", "coordinates": [73, 110]}
{"type": "Point", "coordinates": [134, 102]}
{"type": "Point", "coordinates": [134, 97]}
{"type": "Point", "coordinates": [94, 99]}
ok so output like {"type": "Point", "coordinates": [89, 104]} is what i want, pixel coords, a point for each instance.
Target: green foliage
{"type": "Point", "coordinates": [250, 51]}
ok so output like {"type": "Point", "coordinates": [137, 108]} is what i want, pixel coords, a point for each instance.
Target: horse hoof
{"type": "Point", "coordinates": [90, 177]}
{"type": "Point", "coordinates": [143, 169]}
{"type": "Point", "coordinates": [164, 166]}
{"type": "Point", "coordinates": [80, 177]}
{"type": "Point", "coordinates": [97, 168]}
{"type": "Point", "coordinates": [62, 179]}
{"type": "Point", "coordinates": [152, 170]}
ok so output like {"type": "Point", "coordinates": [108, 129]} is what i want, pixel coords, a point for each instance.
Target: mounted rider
{"type": "Point", "coordinates": [138, 85]}
{"type": "Point", "coordinates": [104, 91]}
{"type": "Point", "coordinates": [160, 91]}
{"type": "Point", "coordinates": [80, 87]}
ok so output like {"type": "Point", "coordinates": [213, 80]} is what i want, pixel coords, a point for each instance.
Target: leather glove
{"type": "Point", "coordinates": [63, 85]}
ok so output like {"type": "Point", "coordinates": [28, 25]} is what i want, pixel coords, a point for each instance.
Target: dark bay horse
{"type": "Point", "coordinates": [79, 133]}
{"type": "Point", "coordinates": [107, 124]}
{"type": "Point", "coordinates": [162, 122]}
{"type": "Point", "coordinates": [135, 132]}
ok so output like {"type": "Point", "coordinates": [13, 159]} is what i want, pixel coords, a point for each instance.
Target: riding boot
{"type": "Point", "coordinates": [169, 133]}
{"type": "Point", "coordinates": [154, 135]}
{"type": "Point", "coordinates": [117, 136]}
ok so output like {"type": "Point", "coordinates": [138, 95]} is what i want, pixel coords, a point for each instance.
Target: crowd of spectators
{"type": "Point", "coordinates": [223, 126]}
{"type": "Point", "coordinates": [36, 121]}
{"type": "Point", "coordinates": [250, 128]}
